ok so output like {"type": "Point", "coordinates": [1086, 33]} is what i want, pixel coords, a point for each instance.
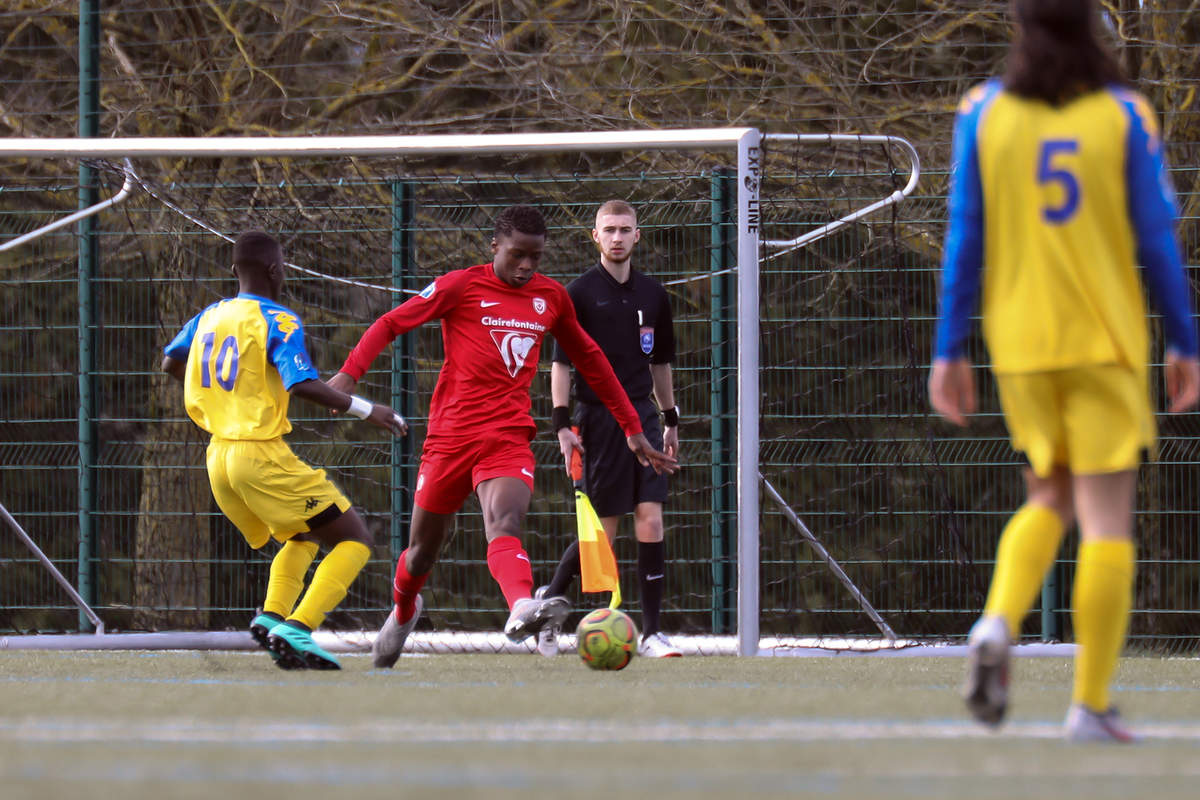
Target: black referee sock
{"type": "Point", "coordinates": [567, 571]}
{"type": "Point", "coordinates": [650, 569]}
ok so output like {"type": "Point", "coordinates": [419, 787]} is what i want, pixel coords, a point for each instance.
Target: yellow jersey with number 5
{"type": "Point", "coordinates": [242, 355]}
{"type": "Point", "coordinates": [1056, 206]}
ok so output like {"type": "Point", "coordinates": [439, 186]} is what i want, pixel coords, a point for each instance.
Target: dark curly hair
{"type": "Point", "coordinates": [1057, 54]}
{"type": "Point", "coordinates": [523, 219]}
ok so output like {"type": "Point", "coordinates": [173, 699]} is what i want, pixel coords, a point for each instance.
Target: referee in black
{"type": "Point", "coordinates": [629, 316]}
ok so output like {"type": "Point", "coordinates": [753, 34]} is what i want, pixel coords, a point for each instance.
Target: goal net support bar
{"type": "Point", "coordinates": [83, 213]}
{"type": "Point", "coordinates": [49, 565]}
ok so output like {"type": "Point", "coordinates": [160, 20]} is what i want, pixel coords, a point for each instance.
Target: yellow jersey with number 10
{"type": "Point", "coordinates": [242, 354]}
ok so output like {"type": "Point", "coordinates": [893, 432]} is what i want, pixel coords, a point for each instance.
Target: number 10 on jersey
{"type": "Point", "coordinates": [226, 365]}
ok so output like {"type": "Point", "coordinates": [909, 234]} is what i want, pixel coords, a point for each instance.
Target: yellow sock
{"type": "Point", "coordinates": [1103, 594]}
{"type": "Point", "coordinates": [331, 580]}
{"type": "Point", "coordinates": [288, 569]}
{"type": "Point", "coordinates": [1027, 549]}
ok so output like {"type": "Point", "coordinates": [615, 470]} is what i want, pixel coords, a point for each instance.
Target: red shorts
{"type": "Point", "coordinates": [450, 470]}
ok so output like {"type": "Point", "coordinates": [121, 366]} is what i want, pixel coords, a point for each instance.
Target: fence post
{"type": "Point", "coordinates": [721, 396]}
{"type": "Point", "coordinates": [403, 380]}
{"type": "Point", "coordinates": [89, 119]}
{"type": "Point", "coordinates": [1051, 622]}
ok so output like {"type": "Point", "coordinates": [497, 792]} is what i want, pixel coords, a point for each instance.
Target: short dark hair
{"type": "Point", "coordinates": [1057, 54]}
{"type": "Point", "coordinates": [523, 219]}
{"type": "Point", "coordinates": [256, 250]}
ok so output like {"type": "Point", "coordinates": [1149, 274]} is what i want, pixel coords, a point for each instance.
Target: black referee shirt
{"type": "Point", "coordinates": [630, 321]}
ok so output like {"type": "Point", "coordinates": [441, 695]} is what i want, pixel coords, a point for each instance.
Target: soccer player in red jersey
{"type": "Point", "coordinates": [494, 318]}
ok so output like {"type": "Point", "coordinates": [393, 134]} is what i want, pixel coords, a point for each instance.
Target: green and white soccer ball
{"type": "Point", "coordinates": [606, 639]}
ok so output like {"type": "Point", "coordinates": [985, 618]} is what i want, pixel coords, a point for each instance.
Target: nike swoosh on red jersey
{"type": "Point", "coordinates": [488, 303]}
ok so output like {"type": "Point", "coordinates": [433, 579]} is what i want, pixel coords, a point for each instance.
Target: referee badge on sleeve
{"type": "Point", "coordinates": [646, 339]}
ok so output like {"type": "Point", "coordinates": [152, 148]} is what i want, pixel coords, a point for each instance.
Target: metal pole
{"type": "Point", "coordinates": [89, 127]}
{"type": "Point", "coordinates": [403, 384]}
{"type": "Point", "coordinates": [829, 560]}
{"type": "Point", "coordinates": [749, 216]}
{"type": "Point", "coordinates": [720, 404]}
{"type": "Point", "coordinates": [126, 189]}
{"type": "Point", "coordinates": [1051, 623]}
{"type": "Point", "coordinates": [85, 610]}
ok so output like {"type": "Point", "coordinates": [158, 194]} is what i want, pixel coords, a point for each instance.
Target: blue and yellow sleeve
{"type": "Point", "coordinates": [962, 257]}
{"type": "Point", "coordinates": [182, 343]}
{"type": "Point", "coordinates": [285, 346]}
{"type": "Point", "coordinates": [1153, 214]}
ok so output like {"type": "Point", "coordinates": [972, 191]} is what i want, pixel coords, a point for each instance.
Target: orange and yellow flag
{"type": "Point", "coordinates": [597, 564]}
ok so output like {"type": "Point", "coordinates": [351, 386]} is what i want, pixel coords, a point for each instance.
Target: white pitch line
{"type": "Point", "coordinates": [58, 730]}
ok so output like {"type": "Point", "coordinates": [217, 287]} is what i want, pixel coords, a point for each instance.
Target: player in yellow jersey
{"type": "Point", "coordinates": [1058, 193]}
{"type": "Point", "coordinates": [239, 361]}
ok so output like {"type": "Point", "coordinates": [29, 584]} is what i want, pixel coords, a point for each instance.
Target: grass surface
{"type": "Point", "coordinates": [127, 726]}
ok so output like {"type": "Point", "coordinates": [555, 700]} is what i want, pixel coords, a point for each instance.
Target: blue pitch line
{"type": "Point", "coordinates": [395, 680]}
{"type": "Point", "coordinates": [398, 683]}
{"type": "Point", "coordinates": [556, 731]}
{"type": "Point", "coordinates": [772, 783]}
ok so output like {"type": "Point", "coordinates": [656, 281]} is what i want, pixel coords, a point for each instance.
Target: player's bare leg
{"type": "Point", "coordinates": [648, 529]}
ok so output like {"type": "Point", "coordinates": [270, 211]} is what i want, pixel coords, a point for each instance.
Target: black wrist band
{"type": "Point", "coordinates": [671, 417]}
{"type": "Point", "coordinates": [560, 417]}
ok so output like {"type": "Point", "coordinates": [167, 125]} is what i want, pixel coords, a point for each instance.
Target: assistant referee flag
{"type": "Point", "coordinates": [597, 564]}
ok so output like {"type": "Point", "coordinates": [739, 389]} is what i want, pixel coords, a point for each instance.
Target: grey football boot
{"type": "Point", "coordinates": [389, 642]}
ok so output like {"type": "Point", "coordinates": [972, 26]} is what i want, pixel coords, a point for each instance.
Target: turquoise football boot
{"type": "Point", "coordinates": [297, 650]}
{"type": "Point", "coordinates": [260, 629]}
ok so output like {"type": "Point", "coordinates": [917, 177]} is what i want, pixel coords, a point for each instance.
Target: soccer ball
{"type": "Point", "coordinates": [606, 639]}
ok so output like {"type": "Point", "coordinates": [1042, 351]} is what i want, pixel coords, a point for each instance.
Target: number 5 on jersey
{"type": "Point", "coordinates": [226, 366]}
{"type": "Point", "coordinates": [1053, 170]}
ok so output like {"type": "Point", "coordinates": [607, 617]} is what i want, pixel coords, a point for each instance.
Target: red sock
{"type": "Point", "coordinates": [405, 589]}
{"type": "Point", "coordinates": [510, 567]}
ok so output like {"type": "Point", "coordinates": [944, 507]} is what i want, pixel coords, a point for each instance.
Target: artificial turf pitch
{"type": "Point", "coordinates": [132, 725]}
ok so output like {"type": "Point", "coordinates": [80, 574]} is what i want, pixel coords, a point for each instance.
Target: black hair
{"type": "Point", "coordinates": [1057, 54]}
{"type": "Point", "coordinates": [257, 251]}
{"type": "Point", "coordinates": [520, 219]}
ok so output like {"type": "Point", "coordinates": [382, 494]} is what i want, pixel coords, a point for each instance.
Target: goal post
{"type": "Point", "coordinates": [745, 146]}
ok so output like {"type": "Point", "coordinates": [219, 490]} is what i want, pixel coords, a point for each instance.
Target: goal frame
{"type": "Point", "coordinates": [745, 142]}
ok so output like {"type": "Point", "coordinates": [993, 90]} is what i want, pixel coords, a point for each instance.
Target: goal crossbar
{"type": "Point", "coordinates": [285, 146]}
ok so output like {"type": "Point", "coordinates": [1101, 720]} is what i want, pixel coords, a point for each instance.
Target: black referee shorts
{"type": "Point", "coordinates": [612, 477]}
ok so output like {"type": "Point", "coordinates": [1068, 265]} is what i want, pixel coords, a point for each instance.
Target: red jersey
{"type": "Point", "coordinates": [492, 336]}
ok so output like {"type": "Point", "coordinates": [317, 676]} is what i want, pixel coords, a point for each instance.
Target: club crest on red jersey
{"type": "Point", "coordinates": [514, 348]}
{"type": "Point", "coordinates": [539, 305]}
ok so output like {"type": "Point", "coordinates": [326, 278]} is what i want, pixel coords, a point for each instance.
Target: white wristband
{"type": "Point", "coordinates": [359, 407]}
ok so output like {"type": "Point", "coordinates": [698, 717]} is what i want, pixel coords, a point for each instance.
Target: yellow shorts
{"type": "Point", "coordinates": [266, 490]}
{"type": "Point", "coordinates": [1094, 419]}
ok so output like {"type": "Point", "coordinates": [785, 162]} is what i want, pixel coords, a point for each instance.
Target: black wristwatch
{"type": "Point", "coordinates": [671, 417]}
